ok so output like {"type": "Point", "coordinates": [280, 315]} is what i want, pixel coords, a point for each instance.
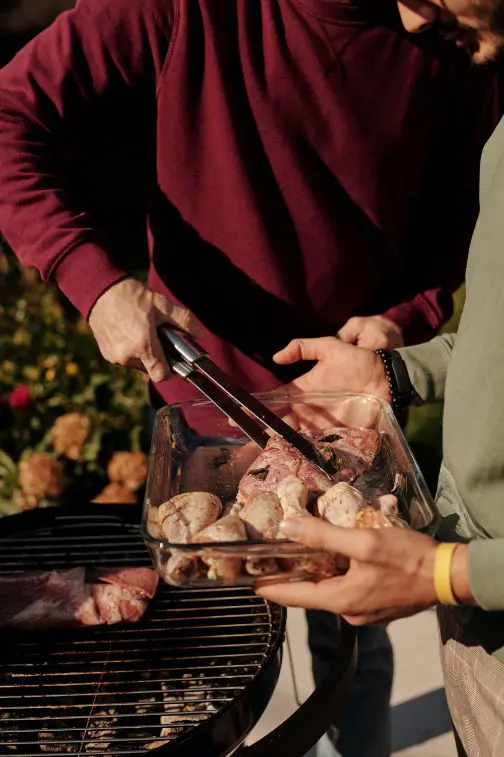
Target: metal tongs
{"type": "Point", "coordinates": [190, 361]}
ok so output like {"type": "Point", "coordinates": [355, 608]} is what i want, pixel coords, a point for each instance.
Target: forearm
{"type": "Point", "coordinates": [92, 66]}
{"type": "Point", "coordinates": [486, 572]}
{"type": "Point", "coordinates": [427, 366]}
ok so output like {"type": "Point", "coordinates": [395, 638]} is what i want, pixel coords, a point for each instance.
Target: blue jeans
{"type": "Point", "coordinates": [362, 728]}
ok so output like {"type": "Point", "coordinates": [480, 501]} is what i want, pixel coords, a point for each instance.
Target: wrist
{"type": "Point", "coordinates": [379, 385]}
{"type": "Point", "coordinates": [400, 387]}
{"type": "Point", "coordinates": [460, 575]}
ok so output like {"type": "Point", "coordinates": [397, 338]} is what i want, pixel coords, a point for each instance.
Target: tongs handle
{"type": "Point", "coordinates": [179, 345]}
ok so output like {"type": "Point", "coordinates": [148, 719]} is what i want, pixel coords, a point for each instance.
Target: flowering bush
{"type": "Point", "coordinates": [64, 411]}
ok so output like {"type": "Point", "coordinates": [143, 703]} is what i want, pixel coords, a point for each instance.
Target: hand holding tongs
{"type": "Point", "coordinates": [190, 361]}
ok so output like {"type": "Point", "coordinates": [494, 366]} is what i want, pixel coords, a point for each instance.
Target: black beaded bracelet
{"type": "Point", "coordinates": [386, 359]}
{"type": "Point", "coordinates": [401, 391]}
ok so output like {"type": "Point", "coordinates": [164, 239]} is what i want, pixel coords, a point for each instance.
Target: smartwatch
{"type": "Point", "coordinates": [402, 393]}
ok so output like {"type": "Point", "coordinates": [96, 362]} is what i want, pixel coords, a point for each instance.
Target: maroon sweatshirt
{"type": "Point", "coordinates": [303, 161]}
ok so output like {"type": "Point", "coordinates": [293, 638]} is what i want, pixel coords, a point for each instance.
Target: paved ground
{"type": "Point", "coordinates": [421, 725]}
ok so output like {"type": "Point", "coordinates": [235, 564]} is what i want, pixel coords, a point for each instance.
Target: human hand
{"type": "Point", "coordinates": [340, 368]}
{"type": "Point", "coordinates": [124, 322]}
{"type": "Point", "coordinates": [375, 332]}
{"type": "Point", "coordinates": [390, 574]}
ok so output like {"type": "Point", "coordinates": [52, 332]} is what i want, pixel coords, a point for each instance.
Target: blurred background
{"type": "Point", "coordinates": [72, 426]}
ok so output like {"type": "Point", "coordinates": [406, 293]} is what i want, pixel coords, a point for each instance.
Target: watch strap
{"type": "Point", "coordinates": [401, 389]}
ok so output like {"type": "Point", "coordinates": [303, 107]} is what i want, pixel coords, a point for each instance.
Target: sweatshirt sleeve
{"type": "Point", "coordinates": [93, 65]}
{"type": "Point", "coordinates": [486, 569]}
{"type": "Point", "coordinates": [439, 232]}
{"type": "Point", "coordinates": [427, 366]}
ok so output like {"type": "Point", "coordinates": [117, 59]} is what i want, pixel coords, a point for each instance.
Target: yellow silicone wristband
{"type": "Point", "coordinates": [442, 574]}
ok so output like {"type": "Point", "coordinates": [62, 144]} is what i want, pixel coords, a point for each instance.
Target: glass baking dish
{"type": "Point", "coordinates": [196, 449]}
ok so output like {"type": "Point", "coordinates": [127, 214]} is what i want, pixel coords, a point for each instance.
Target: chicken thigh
{"type": "Point", "coordinates": [340, 505]}
{"type": "Point", "coordinates": [182, 517]}
{"type": "Point", "coordinates": [229, 528]}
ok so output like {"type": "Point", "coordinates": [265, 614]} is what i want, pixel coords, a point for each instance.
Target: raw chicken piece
{"type": "Point", "coordinates": [293, 495]}
{"type": "Point", "coordinates": [261, 566]}
{"type": "Point", "coordinates": [63, 599]}
{"type": "Point", "coordinates": [232, 508]}
{"type": "Point", "coordinates": [229, 528]}
{"type": "Point", "coordinates": [262, 515]}
{"type": "Point", "coordinates": [182, 567]}
{"type": "Point", "coordinates": [368, 517]}
{"type": "Point", "coordinates": [185, 515]}
{"type": "Point", "coordinates": [140, 581]}
{"type": "Point", "coordinates": [277, 461]}
{"type": "Point", "coordinates": [352, 450]}
{"type": "Point", "coordinates": [322, 565]}
{"type": "Point", "coordinates": [388, 505]}
{"type": "Point", "coordinates": [340, 505]}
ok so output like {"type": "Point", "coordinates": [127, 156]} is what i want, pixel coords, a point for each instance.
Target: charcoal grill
{"type": "Point", "coordinates": [191, 678]}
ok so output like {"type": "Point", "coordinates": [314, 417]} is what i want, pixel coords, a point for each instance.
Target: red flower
{"type": "Point", "coordinates": [20, 397]}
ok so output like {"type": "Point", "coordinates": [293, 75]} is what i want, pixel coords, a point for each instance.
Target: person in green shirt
{"type": "Point", "coordinates": [395, 572]}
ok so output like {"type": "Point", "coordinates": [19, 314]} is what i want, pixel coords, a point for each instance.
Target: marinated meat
{"type": "Point", "coordinates": [388, 505]}
{"type": "Point", "coordinates": [229, 528]}
{"type": "Point", "coordinates": [293, 495]}
{"type": "Point", "coordinates": [349, 451]}
{"type": "Point", "coordinates": [277, 461]}
{"type": "Point", "coordinates": [262, 566]}
{"type": "Point", "coordinates": [322, 565]}
{"type": "Point", "coordinates": [182, 567]}
{"type": "Point", "coordinates": [340, 505]}
{"type": "Point", "coordinates": [262, 515]}
{"type": "Point", "coordinates": [368, 517]}
{"type": "Point", "coordinates": [182, 517]}
{"type": "Point", "coordinates": [64, 599]}
{"type": "Point", "coordinates": [140, 581]}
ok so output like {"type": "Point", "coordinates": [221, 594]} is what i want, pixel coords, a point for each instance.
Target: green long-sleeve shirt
{"type": "Point", "coordinates": [466, 370]}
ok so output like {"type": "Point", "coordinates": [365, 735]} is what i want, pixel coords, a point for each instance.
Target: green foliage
{"type": "Point", "coordinates": [49, 352]}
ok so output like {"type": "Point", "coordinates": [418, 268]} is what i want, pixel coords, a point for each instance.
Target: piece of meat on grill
{"type": "Point", "coordinates": [140, 581]}
{"type": "Point", "coordinates": [43, 600]}
{"type": "Point", "coordinates": [293, 495]}
{"type": "Point", "coordinates": [182, 517]}
{"type": "Point", "coordinates": [340, 505]}
{"type": "Point", "coordinates": [262, 515]}
{"type": "Point", "coordinates": [229, 528]}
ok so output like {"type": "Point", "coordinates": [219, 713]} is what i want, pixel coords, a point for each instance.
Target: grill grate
{"type": "Point", "coordinates": [124, 690]}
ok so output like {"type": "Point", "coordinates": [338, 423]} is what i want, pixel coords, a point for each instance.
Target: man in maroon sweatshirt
{"type": "Point", "coordinates": [309, 167]}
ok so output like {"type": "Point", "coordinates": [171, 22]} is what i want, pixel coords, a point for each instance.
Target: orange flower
{"type": "Point", "coordinates": [40, 476]}
{"type": "Point", "coordinates": [69, 434]}
{"type": "Point", "coordinates": [115, 494]}
{"type": "Point", "coordinates": [24, 501]}
{"type": "Point", "coordinates": [128, 469]}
